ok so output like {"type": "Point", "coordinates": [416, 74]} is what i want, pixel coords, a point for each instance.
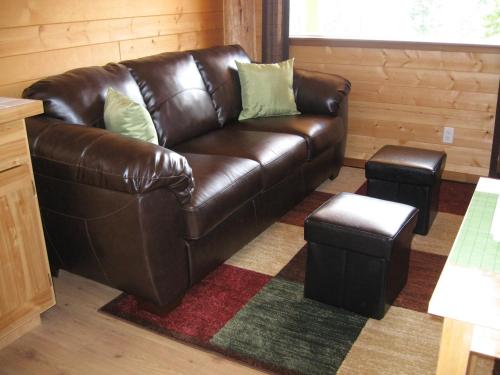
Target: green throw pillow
{"type": "Point", "coordinates": [123, 115]}
{"type": "Point", "coordinates": [267, 89]}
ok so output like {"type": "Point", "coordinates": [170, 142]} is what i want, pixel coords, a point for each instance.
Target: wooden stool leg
{"type": "Point", "coordinates": [455, 347]}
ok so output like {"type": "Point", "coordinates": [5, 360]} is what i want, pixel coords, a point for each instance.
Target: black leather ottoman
{"type": "Point", "coordinates": [358, 252]}
{"type": "Point", "coordinates": [407, 175]}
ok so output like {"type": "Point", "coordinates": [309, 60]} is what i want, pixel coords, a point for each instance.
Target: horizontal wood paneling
{"type": "Point", "coordinates": [30, 39]}
{"type": "Point", "coordinates": [416, 96]}
{"type": "Point", "coordinates": [42, 12]}
{"type": "Point", "coordinates": [422, 78]}
{"type": "Point", "coordinates": [243, 26]}
{"type": "Point", "coordinates": [407, 96]}
{"type": "Point", "coordinates": [239, 25]}
{"type": "Point", "coordinates": [41, 64]}
{"type": "Point", "coordinates": [410, 59]}
{"type": "Point", "coordinates": [407, 130]}
{"type": "Point", "coordinates": [131, 49]}
{"type": "Point", "coordinates": [422, 115]}
{"type": "Point", "coordinates": [15, 90]}
{"type": "Point", "coordinates": [258, 29]}
{"type": "Point", "coordinates": [46, 37]}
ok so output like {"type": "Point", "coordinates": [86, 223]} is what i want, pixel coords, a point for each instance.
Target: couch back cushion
{"type": "Point", "coordinates": [78, 95]}
{"type": "Point", "coordinates": [217, 66]}
{"type": "Point", "coordinates": [175, 95]}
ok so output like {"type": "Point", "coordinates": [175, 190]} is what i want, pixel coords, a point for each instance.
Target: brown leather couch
{"type": "Point", "coordinates": [153, 220]}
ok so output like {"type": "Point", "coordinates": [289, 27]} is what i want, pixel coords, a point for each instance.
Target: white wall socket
{"type": "Point", "coordinates": [448, 134]}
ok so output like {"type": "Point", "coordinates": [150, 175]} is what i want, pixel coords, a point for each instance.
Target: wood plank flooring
{"type": "Point", "coordinates": [74, 339]}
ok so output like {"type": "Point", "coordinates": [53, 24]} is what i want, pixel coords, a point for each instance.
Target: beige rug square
{"type": "Point", "coordinates": [271, 251]}
{"type": "Point", "coordinates": [404, 342]}
{"type": "Point", "coordinates": [349, 180]}
{"type": "Point", "coordinates": [441, 236]}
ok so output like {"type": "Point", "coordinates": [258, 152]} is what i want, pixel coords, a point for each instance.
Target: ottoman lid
{"type": "Point", "coordinates": [356, 222]}
{"type": "Point", "coordinates": [406, 165]}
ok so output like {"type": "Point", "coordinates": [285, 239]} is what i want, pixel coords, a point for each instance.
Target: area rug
{"type": "Point", "coordinates": [262, 319]}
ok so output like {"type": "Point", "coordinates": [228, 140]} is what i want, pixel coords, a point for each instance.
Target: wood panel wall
{"type": "Point", "coordinates": [243, 26]}
{"type": "Point", "coordinates": [258, 29]}
{"type": "Point", "coordinates": [239, 25]}
{"type": "Point", "coordinates": [45, 37]}
{"type": "Point", "coordinates": [404, 95]}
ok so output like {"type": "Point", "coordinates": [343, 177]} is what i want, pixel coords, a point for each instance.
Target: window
{"type": "Point", "coordinates": [438, 21]}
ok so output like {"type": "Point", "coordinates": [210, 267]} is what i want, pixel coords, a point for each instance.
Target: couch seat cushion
{"type": "Point", "coordinates": [278, 154]}
{"type": "Point", "coordinates": [320, 132]}
{"type": "Point", "coordinates": [222, 185]}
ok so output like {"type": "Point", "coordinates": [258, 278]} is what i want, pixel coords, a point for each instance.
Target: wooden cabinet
{"type": "Point", "coordinates": [25, 282]}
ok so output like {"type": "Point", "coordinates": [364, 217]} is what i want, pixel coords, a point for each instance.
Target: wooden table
{"type": "Point", "coordinates": [467, 294]}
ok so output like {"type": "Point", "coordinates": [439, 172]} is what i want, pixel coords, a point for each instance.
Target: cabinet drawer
{"type": "Point", "coordinates": [13, 148]}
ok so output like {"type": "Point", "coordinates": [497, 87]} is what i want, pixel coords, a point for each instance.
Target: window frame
{"type": "Point", "coordinates": [389, 44]}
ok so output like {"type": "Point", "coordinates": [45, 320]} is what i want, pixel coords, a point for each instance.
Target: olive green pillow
{"type": "Point", "coordinates": [123, 115]}
{"type": "Point", "coordinates": [266, 89]}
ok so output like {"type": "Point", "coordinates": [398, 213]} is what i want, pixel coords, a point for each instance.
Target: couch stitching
{"type": "Point", "coordinates": [167, 99]}
{"type": "Point", "coordinates": [109, 174]}
{"type": "Point", "coordinates": [347, 229]}
{"type": "Point", "coordinates": [286, 153]}
{"type": "Point", "coordinates": [244, 176]}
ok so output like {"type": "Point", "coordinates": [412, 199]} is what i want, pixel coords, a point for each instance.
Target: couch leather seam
{"type": "Point", "coordinates": [91, 243]}
{"type": "Point", "coordinates": [48, 238]}
{"type": "Point", "coordinates": [87, 147]}
{"type": "Point", "coordinates": [146, 259]}
{"type": "Point", "coordinates": [219, 86]}
{"type": "Point", "coordinates": [170, 97]}
{"type": "Point", "coordinates": [89, 219]}
{"type": "Point", "coordinates": [426, 170]}
{"type": "Point", "coordinates": [141, 179]}
{"type": "Point", "coordinates": [190, 238]}
{"type": "Point", "coordinates": [289, 152]}
{"type": "Point", "coordinates": [347, 229]}
{"type": "Point", "coordinates": [37, 139]}
{"type": "Point", "coordinates": [234, 183]}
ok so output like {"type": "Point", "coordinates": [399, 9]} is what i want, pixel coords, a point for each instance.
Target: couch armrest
{"type": "Point", "coordinates": [319, 93]}
{"type": "Point", "coordinates": [97, 157]}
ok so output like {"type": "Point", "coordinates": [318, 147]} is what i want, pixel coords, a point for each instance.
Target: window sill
{"type": "Point", "coordinates": [359, 43]}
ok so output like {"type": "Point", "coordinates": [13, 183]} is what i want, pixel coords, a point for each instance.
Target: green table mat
{"type": "Point", "coordinates": [474, 246]}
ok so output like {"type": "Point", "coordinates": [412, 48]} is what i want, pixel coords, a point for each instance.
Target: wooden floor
{"type": "Point", "coordinates": [75, 339]}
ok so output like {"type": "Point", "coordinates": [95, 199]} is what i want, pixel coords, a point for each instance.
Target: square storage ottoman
{"type": "Point", "coordinates": [358, 252]}
{"type": "Point", "coordinates": [407, 175]}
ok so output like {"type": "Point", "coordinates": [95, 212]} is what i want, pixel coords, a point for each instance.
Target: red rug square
{"type": "Point", "coordinates": [423, 275]}
{"type": "Point", "coordinates": [204, 310]}
{"type": "Point", "coordinates": [298, 214]}
{"type": "Point", "coordinates": [454, 197]}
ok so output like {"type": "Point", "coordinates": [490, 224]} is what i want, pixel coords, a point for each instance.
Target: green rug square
{"type": "Point", "coordinates": [282, 328]}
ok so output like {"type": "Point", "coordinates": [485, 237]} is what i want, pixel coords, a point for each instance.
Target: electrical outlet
{"type": "Point", "coordinates": [448, 134]}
